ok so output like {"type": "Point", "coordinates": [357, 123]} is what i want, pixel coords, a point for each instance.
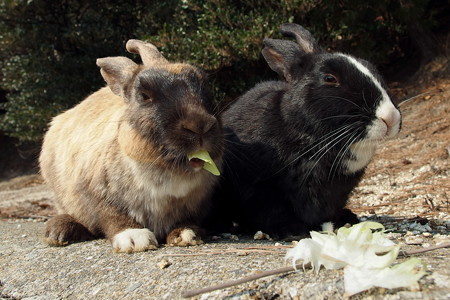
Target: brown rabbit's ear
{"type": "Point", "coordinates": [305, 40]}
{"type": "Point", "coordinates": [118, 72]}
{"type": "Point", "coordinates": [149, 53]}
{"type": "Point", "coordinates": [281, 55]}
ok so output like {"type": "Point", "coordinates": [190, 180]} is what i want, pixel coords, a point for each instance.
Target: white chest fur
{"type": "Point", "coordinates": [160, 198]}
{"type": "Point", "coordinates": [361, 154]}
{"type": "Point", "coordinates": [160, 184]}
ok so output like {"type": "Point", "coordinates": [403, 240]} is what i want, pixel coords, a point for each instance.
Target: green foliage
{"type": "Point", "coordinates": [48, 56]}
{"type": "Point", "coordinates": [49, 48]}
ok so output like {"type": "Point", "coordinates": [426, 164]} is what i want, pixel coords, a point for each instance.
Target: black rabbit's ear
{"type": "Point", "coordinates": [303, 37]}
{"type": "Point", "coordinates": [117, 72]}
{"type": "Point", "coordinates": [281, 55]}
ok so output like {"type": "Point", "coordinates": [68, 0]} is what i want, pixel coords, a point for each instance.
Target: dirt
{"type": "Point", "coordinates": [409, 176]}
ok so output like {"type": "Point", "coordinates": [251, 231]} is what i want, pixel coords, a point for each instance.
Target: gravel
{"type": "Point", "coordinates": [90, 270]}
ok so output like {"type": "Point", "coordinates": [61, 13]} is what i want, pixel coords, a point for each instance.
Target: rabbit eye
{"type": "Point", "coordinates": [146, 98]}
{"type": "Point", "coordinates": [330, 79]}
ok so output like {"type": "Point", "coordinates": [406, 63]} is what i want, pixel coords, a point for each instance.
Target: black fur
{"type": "Point", "coordinates": [286, 141]}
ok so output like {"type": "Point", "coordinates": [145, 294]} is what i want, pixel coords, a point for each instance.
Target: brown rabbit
{"type": "Point", "coordinates": [118, 161]}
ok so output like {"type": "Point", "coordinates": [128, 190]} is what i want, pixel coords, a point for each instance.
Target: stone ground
{"type": "Point", "coordinates": [407, 188]}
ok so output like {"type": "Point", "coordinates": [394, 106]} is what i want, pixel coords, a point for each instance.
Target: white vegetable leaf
{"type": "Point", "coordinates": [365, 254]}
{"type": "Point", "coordinates": [405, 274]}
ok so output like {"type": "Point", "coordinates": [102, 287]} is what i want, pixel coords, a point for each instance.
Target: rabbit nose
{"type": "Point", "coordinates": [391, 117]}
{"type": "Point", "coordinates": [199, 125]}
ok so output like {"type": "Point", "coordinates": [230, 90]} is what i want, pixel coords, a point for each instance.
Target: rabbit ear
{"type": "Point", "coordinates": [117, 72]}
{"type": "Point", "coordinates": [281, 55]}
{"type": "Point", "coordinates": [303, 37]}
{"type": "Point", "coordinates": [149, 53]}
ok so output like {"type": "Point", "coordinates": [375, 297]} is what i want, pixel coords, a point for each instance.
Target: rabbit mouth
{"type": "Point", "coordinates": [196, 163]}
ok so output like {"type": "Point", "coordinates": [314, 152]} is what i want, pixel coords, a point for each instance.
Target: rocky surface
{"type": "Point", "coordinates": [90, 270]}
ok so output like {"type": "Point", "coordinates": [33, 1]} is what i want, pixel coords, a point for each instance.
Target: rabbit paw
{"type": "Point", "coordinates": [184, 236]}
{"type": "Point", "coordinates": [134, 240]}
{"type": "Point", "coordinates": [64, 229]}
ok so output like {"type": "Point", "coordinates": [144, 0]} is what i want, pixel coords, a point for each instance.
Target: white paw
{"type": "Point", "coordinates": [134, 240]}
{"type": "Point", "coordinates": [184, 237]}
{"type": "Point", "coordinates": [188, 235]}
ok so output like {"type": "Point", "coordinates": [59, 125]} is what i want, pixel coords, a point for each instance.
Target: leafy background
{"type": "Point", "coordinates": [48, 48]}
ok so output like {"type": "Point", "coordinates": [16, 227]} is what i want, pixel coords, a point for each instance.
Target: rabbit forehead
{"type": "Point", "coordinates": [368, 72]}
{"type": "Point", "coordinates": [175, 68]}
{"type": "Point", "coordinates": [164, 83]}
{"type": "Point", "coordinates": [188, 74]}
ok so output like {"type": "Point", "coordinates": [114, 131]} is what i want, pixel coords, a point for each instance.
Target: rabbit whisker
{"type": "Point", "coordinates": [365, 101]}
{"type": "Point", "coordinates": [327, 149]}
{"type": "Point", "coordinates": [337, 163]}
{"type": "Point", "coordinates": [334, 142]}
{"type": "Point", "coordinates": [316, 144]}
{"type": "Point", "coordinates": [348, 100]}
{"type": "Point", "coordinates": [334, 139]}
{"type": "Point", "coordinates": [347, 150]}
{"type": "Point", "coordinates": [344, 116]}
{"type": "Point", "coordinates": [252, 166]}
{"type": "Point", "coordinates": [414, 97]}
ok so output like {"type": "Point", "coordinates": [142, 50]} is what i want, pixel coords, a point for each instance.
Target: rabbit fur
{"type": "Point", "coordinates": [118, 160]}
{"type": "Point", "coordinates": [297, 147]}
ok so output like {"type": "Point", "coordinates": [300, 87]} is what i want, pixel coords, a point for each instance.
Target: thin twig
{"type": "Point", "coordinates": [269, 247]}
{"type": "Point", "coordinates": [241, 250]}
{"type": "Point", "coordinates": [29, 217]}
{"type": "Point", "coordinates": [227, 284]}
{"type": "Point", "coordinates": [195, 292]}
{"type": "Point", "coordinates": [412, 252]}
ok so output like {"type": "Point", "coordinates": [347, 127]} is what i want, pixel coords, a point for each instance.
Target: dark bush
{"type": "Point", "coordinates": [49, 48]}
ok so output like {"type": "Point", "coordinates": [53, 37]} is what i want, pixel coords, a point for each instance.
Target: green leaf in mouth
{"type": "Point", "coordinates": [209, 165]}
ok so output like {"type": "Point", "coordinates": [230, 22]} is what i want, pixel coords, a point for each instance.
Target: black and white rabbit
{"type": "Point", "coordinates": [296, 148]}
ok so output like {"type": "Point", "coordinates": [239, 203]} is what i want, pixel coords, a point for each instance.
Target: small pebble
{"type": "Point", "coordinates": [259, 235]}
{"type": "Point", "coordinates": [234, 237]}
{"type": "Point", "coordinates": [96, 290]}
{"type": "Point", "coordinates": [132, 287]}
{"type": "Point", "coordinates": [393, 235]}
{"type": "Point", "coordinates": [441, 239]}
{"type": "Point", "coordinates": [164, 263]}
{"type": "Point", "coordinates": [417, 227]}
{"type": "Point", "coordinates": [413, 240]}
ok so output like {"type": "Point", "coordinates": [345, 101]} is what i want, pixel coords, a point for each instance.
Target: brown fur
{"type": "Point", "coordinates": [65, 229]}
{"type": "Point", "coordinates": [108, 177]}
